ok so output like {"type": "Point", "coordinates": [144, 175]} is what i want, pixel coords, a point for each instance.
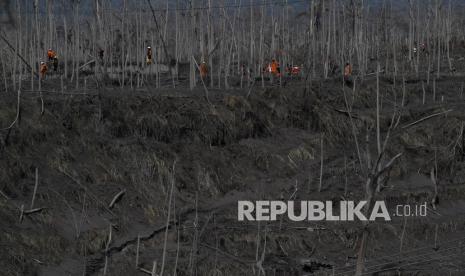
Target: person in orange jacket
{"type": "Point", "coordinates": [274, 68]}
{"type": "Point", "coordinates": [51, 54]}
{"type": "Point", "coordinates": [43, 69]}
{"type": "Point", "coordinates": [52, 57]}
{"type": "Point", "coordinates": [203, 70]}
{"type": "Point", "coordinates": [149, 55]}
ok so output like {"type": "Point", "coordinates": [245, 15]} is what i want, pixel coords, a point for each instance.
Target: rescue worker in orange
{"type": "Point", "coordinates": [274, 68]}
{"type": "Point", "coordinates": [203, 70]}
{"type": "Point", "coordinates": [52, 57]}
{"type": "Point", "coordinates": [43, 70]}
{"type": "Point", "coordinates": [51, 54]}
{"type": "Point", "coordinates": [149, 55]}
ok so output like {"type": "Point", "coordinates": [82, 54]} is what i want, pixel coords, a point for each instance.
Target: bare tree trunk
{"type": "Point", "coordinates": [211, 42]}
{"type": "Point", "coordinates": [192, 79]}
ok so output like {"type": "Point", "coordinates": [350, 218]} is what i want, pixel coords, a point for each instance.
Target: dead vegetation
{"type": "Point", "coordinates": [266, 145]}
{"type": "Point", "coordinates": [129, 168]}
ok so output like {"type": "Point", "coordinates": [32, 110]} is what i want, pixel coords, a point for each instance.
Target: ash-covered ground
{"type": "Point", "coordinates": [112, 165]}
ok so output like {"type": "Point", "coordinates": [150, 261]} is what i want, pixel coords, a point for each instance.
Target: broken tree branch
{"type": "Point", "coordinates": [426, 118]}
{"type": "Point", "coordinates": [17, 112]}
{"type": "Point", "coordinates": [116, 198]}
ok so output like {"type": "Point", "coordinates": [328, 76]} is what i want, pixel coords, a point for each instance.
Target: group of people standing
{"type": "Point", "coordinates": [273, 68]}
{"type": "Point", "coordinates": [52, 59]}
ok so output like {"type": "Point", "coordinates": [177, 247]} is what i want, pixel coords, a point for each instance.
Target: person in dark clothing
{"type": "Point", "coordinates": [101, 54]}
{"type": "Point", "coordinates": [348, 74]}
{"type": "Point", "coordinates": [55, 64]}
{"type": "Point", "coordinates": [149, 55]}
